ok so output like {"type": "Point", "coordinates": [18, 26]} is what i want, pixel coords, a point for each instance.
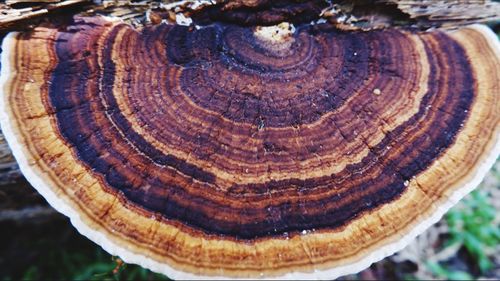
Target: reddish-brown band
{"type": "Point", "coordinates": [222, 134]}
{"type": "Point", "coordinates": [252, 116]}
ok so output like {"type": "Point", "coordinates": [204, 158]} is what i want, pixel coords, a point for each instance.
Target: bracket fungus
{"type": "Point", "coordinates": [229, 151]}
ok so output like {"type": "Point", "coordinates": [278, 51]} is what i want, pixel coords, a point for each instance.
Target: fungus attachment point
{"type": "Point", "coordinates": [277, 33]}
{"type": "Point", "coordinates": [277, 37]}
{"type": "Point", "coordinates": [209, 152]}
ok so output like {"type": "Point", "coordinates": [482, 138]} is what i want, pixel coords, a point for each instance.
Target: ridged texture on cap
{"type": "Point", "coordinates": [232, 151]}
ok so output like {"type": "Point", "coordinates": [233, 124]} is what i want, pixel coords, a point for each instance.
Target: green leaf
{"type": "Point", "coordinates": [459, 275]}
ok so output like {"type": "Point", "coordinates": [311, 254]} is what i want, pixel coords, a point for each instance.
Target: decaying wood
{"type": "Point", "coordinates": [9, 171]}
{"type": "Point", "coordinates": [10, 16]}
{"type": "Point", "coordinates": [452, 11]}
{"type": "Point", "coordinates": [22, 14]}
{"type": "Point", "coordinates": [364, 14]}
{"type": "Point", "coordinates": [423, 14]}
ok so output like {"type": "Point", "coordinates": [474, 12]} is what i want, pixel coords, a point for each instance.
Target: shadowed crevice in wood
{"type": "Point", "coordinates": [263, 13]}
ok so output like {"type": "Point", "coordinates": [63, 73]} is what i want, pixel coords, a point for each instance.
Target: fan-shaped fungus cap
{"type": "Point", "coordinates": [230, 151]}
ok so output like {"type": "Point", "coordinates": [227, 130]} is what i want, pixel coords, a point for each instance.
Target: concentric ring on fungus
{"type": "Point", "coordinates": [227, 151]}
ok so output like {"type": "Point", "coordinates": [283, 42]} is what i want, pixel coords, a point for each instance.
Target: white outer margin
{"type": "Point", "coordinates": [130, 257]}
